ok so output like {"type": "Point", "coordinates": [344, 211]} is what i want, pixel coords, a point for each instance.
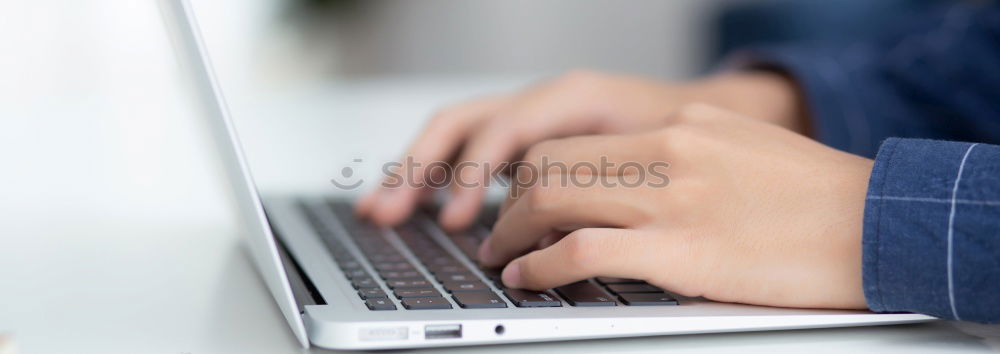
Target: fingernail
{"type": "Point", "coordinates": [512, 275]}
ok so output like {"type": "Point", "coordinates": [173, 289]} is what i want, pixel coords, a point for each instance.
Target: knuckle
{"type": "Point", "coordinates": [535, 152]}
{"type": "Point", "coordinates": [497, 131]}
{"type": "Point", "coordinates": [501, 124]}
{"type": "Point", "coordinates": [531, 265]}
{"type": "Point", "coordinates": [582, 249]}
{"type": "Point", "coordinates": [540, 151]}
{"type": "Point", "coordinates": [690, 201]}
{"type": "Point", "coordinates": [678, 137]}
{"type": "Point", "coordinates": [446, 114]}
{"type": "Point", "coordinates": [693, 112]}
{"type": "Point", "coordinates": [579, 80]}
{"type": "Point", "coordinates": [541, 199]}
{"type": "Point", "coordinates": [579, 75]}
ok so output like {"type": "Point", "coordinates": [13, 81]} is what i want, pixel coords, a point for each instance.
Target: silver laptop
{"type": "Point", "coordinates": [343, 283]}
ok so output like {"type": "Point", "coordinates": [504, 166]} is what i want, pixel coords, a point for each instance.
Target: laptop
{"type": "Point", "coordinates": [343, 283]}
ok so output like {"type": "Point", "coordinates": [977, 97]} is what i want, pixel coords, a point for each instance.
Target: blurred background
{"type": "Point", "coordinates": [96, 118]}
{"type": "Point", "coordinates": [107, 165]}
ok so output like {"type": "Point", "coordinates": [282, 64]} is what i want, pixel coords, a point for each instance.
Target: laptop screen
{"type": "Point", "coordinates": [182, 26]}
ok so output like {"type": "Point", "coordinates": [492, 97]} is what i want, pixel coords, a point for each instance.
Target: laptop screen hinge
{"type": "Point", "coordinates": [303, 290]}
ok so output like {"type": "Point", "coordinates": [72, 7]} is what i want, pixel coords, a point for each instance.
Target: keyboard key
{"type": "Point", "coordinates": [489, 214]}
{"type": "Point", "coordinates": [440, 261]}
{"type": "Point", "coordinates": [585, 294]}
{"type": "Point", "coordinates": [528, 298]}
{"type": "Point", "coordinates": [379, 304]}
{"type": "Point", "coordinates": [357, 273]}
{"type": "Point", "coordinates": [372, 293]}
{"type": "Point", "coordinates": [647, 299]}
{"type": "Point", "coordinates": [467, 244]}
{"type": "Point", "coordinates": [393, 266]}
{"type": "Point", "coordinates": [341, 254]}
{"type": "Point", "coordinates": [418, 292]}
{"type": "Point", "coordinates": [394, 274]}
{"type": "Point", "coordinates": [493, 275]}
{"type": "Point", "coordinates": [374, 245]}
{"type": "Point", "coordinates": [610, 280]}
{"type": "Point", "coordinates": [454, 286]}
{"type": "Point", "coordinates": [378, 258]}
{"type": "Point", "coordinates": [448, 269]}
{"type": "Point", "coordinates": [408, 284]}
{"type": "Point", "coordinates": [491, 272]}
{"type": "Point", "coordinates": [425, 303]}
{"type": "Point", "coordinates": [435, 261]}
{"type": "Point", "coordinates": [478, 300]}
{"type": "Point", "coordinates": [459, 277]}
{"type": "Point", "coordinates": [633, 288]}
{"type": "Point", "coordinates": [422, 245]}
{"type": "Point", "coordinates": [363, 283]}
{"type": "Point", "coordinates": [349, 264]}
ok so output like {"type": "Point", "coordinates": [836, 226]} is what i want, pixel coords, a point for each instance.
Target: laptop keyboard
{"type": "Point", "coordinates": [441, 276]}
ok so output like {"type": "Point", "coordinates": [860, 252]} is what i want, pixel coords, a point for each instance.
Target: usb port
{"type": "Point", "coordinates": [443, 331]}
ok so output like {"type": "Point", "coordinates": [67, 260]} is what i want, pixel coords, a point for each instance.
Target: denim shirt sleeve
{"type": "Point", "coordinates": [931, 239]}
{"type": "Point", "coordinates": [935, 76]}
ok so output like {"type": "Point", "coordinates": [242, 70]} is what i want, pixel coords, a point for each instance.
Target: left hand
{"type": "Point", "coordinates": [483, 134]}
{"type": "Point", "coordinates": [753, 213]}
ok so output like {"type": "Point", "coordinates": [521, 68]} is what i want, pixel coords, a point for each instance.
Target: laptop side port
{"type": "Point", "coordinates": [444, 331]}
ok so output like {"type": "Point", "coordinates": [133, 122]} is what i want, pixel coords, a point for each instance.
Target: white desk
{"type": "Point", "coordinates": [122, 287]}
{"type": "Point", "coordinates": [115, 235]}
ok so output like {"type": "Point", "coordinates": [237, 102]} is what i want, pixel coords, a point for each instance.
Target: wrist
{"type": "Point", "coordinates": [768, 96]}
{"type": "Point", "coordinates": [851, 199]}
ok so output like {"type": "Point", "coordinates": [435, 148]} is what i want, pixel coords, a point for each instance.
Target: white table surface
{"type": "Point", "coordinates": [123, 287]}
{"type": "Point", "coordinates": [117, 236]}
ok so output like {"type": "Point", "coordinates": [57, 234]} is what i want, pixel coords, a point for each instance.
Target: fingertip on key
{"type": "Point", "coordinates": [511, 275]}
{"type": "Point", "coordinates": [364, 205]}
{"type": "Point", "coordinates": [391, 209]}
{"type": "Point", "coordinates": [484, 254]}
{"type": "Point", "coordinates": [457, 214]}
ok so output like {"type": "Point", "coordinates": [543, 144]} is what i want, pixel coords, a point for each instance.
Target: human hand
{"type": "Point", "coordinates": [483, 134]}
{"type": "Point", "coordinates": [752, 214]}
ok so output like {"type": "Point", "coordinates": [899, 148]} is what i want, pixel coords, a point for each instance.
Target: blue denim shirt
{"type": "Point", "coordinates": [925, 103]}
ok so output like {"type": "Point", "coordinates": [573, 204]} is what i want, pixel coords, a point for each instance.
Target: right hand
{"type": "Point", "coordinates": [484, 133]}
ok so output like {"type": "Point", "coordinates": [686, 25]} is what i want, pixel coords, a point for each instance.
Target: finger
{"type": "Point", "coordinates": [613, 155]}
{"type": "Point", "coordinates": [616, 155]}
{"type": "Point", "coordinates": [560, 205]}
{"type": "Point", "coordinates": [582, 254]}
{"type": "Point", "coordinates": [440, 139]}
{"type": "Point", "coordinates": [485, 150]}
{"type": "Point", "coordinates": [365, 204]}
{"type": "Point", "coordinates": [539, 114]}
{"type": "Point", "coordinates": [591, 154]}
{"type": "Point", "coordinates": [549, 240]}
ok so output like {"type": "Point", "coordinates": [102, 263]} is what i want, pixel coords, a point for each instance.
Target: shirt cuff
{"type": "Point", "coordinates": [929, 241]}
